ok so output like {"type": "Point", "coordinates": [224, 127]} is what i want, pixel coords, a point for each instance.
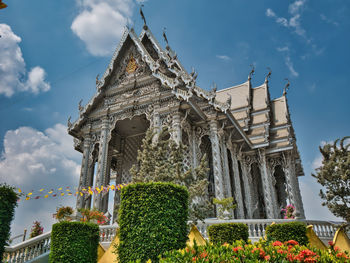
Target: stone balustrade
{"type": "Point", "coordinates": [34, 247]}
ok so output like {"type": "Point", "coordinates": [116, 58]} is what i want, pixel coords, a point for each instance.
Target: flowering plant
{"type": "Point", "coordinates": [288, 212]}
{"type": "Point", "coordinates": [261, 251]}
{"type": "Point", "coordinates": [36, 230]}
{"type": "Point", "coordinates": [93, 215]}
{"type": "Point", "coordinates": [63, 213]}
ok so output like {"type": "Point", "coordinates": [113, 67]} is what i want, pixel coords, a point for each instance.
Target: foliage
{"type": "Point", "coordinates": [36, 230]}
{"type": "Point", "coordinates": [74, 242]}
{"type": "Point", "coordinates": [287, 231]}
{"type": "Point", "coordinates": [228, 233]}
{"type": "Point", "coordinates": [152, 220]}
{"type": "Point", "coordinates": [225, 205]}
{"type": "Point", "coordinates": [93, 216]}
{"type": "Point", "coordinates": [288, 212]}
{"type": "Point", "coordinates": [239, 251]}
{"type": "Point", "coordinates": [161, 160]}
{"type": "Point", "coordinates": [64, 213]}
{"type": "Point", "coordinates": [334, 176]}
{"type": "Point", "coordinates": [8, 202]}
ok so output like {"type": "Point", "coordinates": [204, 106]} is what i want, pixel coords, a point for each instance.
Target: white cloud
{"type": "Point", "coordinates": [290, 66]}
{"type": "Point", "coordinates": [32, 160]}
{"type": "Point", "coordinates": [100, 24]}
{"type": "Point", "coordinates": [288, 60]}
{"type": "Point", "coordinates": [328, 20]}
{"type": "Point", "coordinates": [223, 57]}
{"type": "Point", "coordinates": [13, 69]}
{"type": "Point", "coordinates": [294, 9]}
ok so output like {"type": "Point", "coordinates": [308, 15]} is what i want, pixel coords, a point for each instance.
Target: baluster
{"type": "Point", "coordinates": [249, 230]}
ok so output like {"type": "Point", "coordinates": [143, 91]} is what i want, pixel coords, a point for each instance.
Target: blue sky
{"type": "Point", "coordinates": [51, 52]}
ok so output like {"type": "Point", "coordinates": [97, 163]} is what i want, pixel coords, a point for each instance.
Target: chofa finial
{"type": "Point", "coordinates": [268, 76]}
{"type": "Point", "coordinates": [165, 38]}
{"type": "Point", "coordinates": [286, 88]}
{"type": "Point", "coordinates": [251, 73]}
{"type": "Point", "coordinates": [143, 17]}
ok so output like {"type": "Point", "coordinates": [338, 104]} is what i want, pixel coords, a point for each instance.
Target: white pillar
{"type": "Point", "coordinates": [293, 189]}
{"type": "Point", "coordinates": [194, 148]}
{"type": "Point", "coordinates": [102, 169]}
{"type": "Point", "coordinates": [218, 178]}
{"type": "Point", "coordinates": [176, 127]}
{"type": "Point", "coordinates": [237, 183]}
{"type": "Point", "coordinates": [90, 180]}
{"type": "Point", "coordinates": [247, 181]}
{"type": "Point", "coordinates": [84, 171]}
{"type": "Point", "coordinates": [269, 198]}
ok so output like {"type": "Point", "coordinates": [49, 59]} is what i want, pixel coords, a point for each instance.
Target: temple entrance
{"type": "Point", "coordinates": [125, 142]}
{"type": "Point", "coordinates": [280, 188]}
{"type": "Point", "coordinates": [259, 211]}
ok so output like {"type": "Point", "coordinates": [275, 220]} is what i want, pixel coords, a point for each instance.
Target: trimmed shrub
{"type": "Point", "coordinates": [8, 202]}
{"type": "Point", "coordinates": [152, 220]}
{"type": "Point", "coordinates": [228, 233]}
{"type": "Point", "coordinates": [287, 231]}
{"type": "Point", "coordinates": [74, 242]}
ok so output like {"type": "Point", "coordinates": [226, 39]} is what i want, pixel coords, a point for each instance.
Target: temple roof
{"type": "Point", "coordinates": [260, 121]}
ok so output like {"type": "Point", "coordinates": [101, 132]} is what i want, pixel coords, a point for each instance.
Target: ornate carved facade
{"type": "Point", "coordinates": [247, 137]}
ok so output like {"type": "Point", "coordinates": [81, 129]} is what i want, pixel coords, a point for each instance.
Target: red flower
{"type": "Point", "coordinates": [331, 243]}
{"type": "Point", "coordinates": [277, 244]}
{"type": "Point", "coordinates": [292, 242]}
{"type": "Point", "coordinates": [267, 258]}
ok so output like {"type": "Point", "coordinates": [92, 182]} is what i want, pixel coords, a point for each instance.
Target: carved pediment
{"type": "Point", "coordinates": [129, 67]}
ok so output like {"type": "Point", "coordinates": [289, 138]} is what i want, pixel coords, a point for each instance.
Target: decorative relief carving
{"type": "Point", "coordinates": [132, 67]}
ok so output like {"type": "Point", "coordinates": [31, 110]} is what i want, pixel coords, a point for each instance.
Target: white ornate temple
{"type": "Point", "coordinates": [247, 137]}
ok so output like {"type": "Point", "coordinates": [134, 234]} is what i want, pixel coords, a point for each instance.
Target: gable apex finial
{"type": "Point", "coordinates": [251, 73]}
{"type": "Point", "coordinates": [143, 17]}
{"type": "Point", "coordinates": [268, 76]}
{"type": "Point", "coordinates": [286, 88]}
{"type": "Point", "coordinates": [165, 38]}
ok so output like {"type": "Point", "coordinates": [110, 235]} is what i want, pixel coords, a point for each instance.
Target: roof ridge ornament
{"type": "Point", "coordinates": [143, 18]}
{"type": "Point", "coordinates": [268, 76]}
{"type": "Point", "coordinates": [252, 71]}
{"type": "Point", "coordinates": [286, 88]}
{"type": "Point", "coordinates": [165, 38]}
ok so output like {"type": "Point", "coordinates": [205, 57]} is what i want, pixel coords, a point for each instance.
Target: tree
{"type": "Point", "coordinates": [161, 160]}
{"type": "Point", "coordinates": [8, 203]}
{"type": "Point", "coordinates": [334, 176]}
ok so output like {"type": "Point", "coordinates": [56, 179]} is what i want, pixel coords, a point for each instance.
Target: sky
{"type": "Point", "coordinates": [51, 52]}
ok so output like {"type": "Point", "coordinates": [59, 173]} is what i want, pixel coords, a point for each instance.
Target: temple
{"type": "Point", "coordinates": [247, 137]}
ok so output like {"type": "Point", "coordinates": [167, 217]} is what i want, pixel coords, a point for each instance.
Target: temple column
{"type": "Point", "coordinates": [293, 189]}
{"type": "Point", "coordinates": [194, 148]}
{"type": "Point", "coordinates": [156, 125]}
{"type": "Point", "coordinates": [176, 127]}
{"type": "Point", "coordinates": [225, 167]}
{"type": "Point", "coordinates": [90, 180]}
{"type": "Point", "coordinates": [237, 182]}
{"type": "Point", "coordinates": [217, 168]}
{"type": "Point", "coordinates": [266, 178]}
{"type": "Point", "coordinates": [102, 169]}
{"type": "Point", "coordinates": [84, 170]}
{"type": "Point", "coordinates": [247, 181]}
{"type": "Point", "coordinates": [118, 180]}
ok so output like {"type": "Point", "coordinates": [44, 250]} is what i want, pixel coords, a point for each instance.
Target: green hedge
{"type": "Point", "coordinates": [152, 220]}
{"type": "Point", "coordinates": [228, 233]}
{"type": "Point", "coordinates": [8, 202]}
{"type": "Point", "coordinates": [74, 242]}
{"type": "Point", "coordinates": [287, 231]}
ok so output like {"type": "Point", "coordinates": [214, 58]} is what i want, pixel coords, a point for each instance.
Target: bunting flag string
{"type": "Point", "coordinates": [41, 193]}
